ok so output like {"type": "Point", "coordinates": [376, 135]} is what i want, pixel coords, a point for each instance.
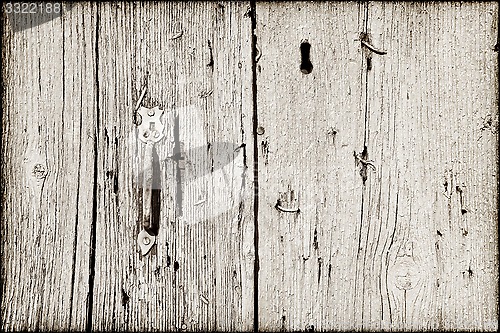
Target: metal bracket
{"type": "Point", "coordinates": [149, 123]}
{"type": "Point", "coordinates": [145, 241]}
{"type": "Point", "coordinates": [151, 130]}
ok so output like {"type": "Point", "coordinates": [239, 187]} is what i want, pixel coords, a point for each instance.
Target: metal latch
{"type": "Point", "coordinates": [151, 130]}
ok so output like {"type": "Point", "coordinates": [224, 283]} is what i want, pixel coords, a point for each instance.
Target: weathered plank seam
{"type": "Point", "coordinates": [374, 253]}
{"type": "Point", "coordinates": [40, 76]}
{"type": "Point", "coordinates": [75, 241]}
{"type": "Point", "coordinates": [382, 261]}
{"type": "Point", "coordinates": [387, 255]}
{"type": "Point", "coordinates": [3, 167]}
{"type": "Point", "coordinates": [365, 72]}
{"type": "Point", "coordinates": [366, 79]}
{"type": "Point", "coordinates": [255, 53]}
{"type": "Point", "coordinates": [92, 252]}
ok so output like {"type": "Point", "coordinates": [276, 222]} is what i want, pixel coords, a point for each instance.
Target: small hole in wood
{"type": "Point", "coordinates": [306, 66]}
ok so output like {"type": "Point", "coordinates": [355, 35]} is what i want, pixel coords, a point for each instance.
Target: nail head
{"type": "Point", "coordinates": [260, 130]}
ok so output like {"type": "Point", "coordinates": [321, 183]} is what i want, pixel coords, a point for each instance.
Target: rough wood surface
{"type": "Point", "coordinates": [415, 247]}
{"type": "Point", "coordinates": [429, 237]}
{"type": "Point", "coordinates": [195, 59]}
{"type": "Point", "coordinates": [48, 126]}
{"type": "Point", "coordinates": [377, 171]}
{"type": "Point", "coordinates": [312, 125]}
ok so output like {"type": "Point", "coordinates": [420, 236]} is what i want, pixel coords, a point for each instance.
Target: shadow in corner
{"type": "Point", "coordinates": [27, 15]}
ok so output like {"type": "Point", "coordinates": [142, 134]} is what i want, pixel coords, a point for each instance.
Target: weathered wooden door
{"type": "Point", "coordinates": [322, 166]}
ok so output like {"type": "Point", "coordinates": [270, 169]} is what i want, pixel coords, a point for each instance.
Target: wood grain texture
{"type": "Point", "coordinates": [377, 171]}
{"type": "Point", "coordinates": [413, 245]}
{"type": "Point", "coordinates": [47, 158]}
{"type": "Point", "coordinates": [312, 124]}
{"type": "Point", "coordinates": [195, 59]}
{"type": "Point", "coordinates": [429, 259]}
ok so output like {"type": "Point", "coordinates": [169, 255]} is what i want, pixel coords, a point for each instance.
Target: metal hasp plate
{"type": "Point", "coordinates": [150, 132]}
{"type": "Point", "coordinates": [145, 241]}
{"type": "Point", "coordinates": [150, 125]}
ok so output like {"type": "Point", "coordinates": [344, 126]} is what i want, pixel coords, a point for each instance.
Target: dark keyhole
{"type": "Point", "coordinates": [306, 66]}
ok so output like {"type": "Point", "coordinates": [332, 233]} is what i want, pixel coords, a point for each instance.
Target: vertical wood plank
{"type": "Point", "coordinates": [47, 157]}
{"type": "Point", "coordinates": [429, 122]}
{"type": "Point", "coordinates": [195, 59]}
{"type": "Point", "coordinates": [309, 126]}
{"type": "Point", "coordinates": [429, 259]}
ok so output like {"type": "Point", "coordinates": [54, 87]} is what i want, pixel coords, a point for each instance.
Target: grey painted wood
{"type": "Point", "coordinates": [405, 239]}
{"type": "Point", "coordinates": [429, 240]}
{"type": "Point", "coordinates": [313, 124]}
{"type": "Point", "coordinates": [401, 235]}
{"type": "Point", "coordinates": [48, 124]}
{"type": "Point", "coordinates": [195, 59]}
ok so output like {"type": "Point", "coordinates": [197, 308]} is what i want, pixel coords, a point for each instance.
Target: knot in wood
{"type": "Point", "coordinates": [40, 171]}
{"type": "Point", "coordinates": [406, 273]}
